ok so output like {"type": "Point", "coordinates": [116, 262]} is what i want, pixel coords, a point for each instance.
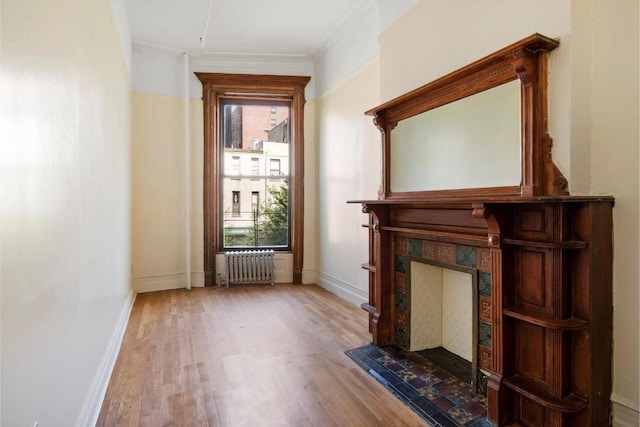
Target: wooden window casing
{"type": "Point", "coordinates": [216, 86]}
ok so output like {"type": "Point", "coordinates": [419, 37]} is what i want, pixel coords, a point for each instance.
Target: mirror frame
{"type": "Point", "coordinates": [526, 60]}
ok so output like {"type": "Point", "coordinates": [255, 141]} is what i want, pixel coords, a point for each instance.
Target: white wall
{"type": "Point", "coordinates": [65, 180]}
{"type": "Point", "coordinates": [593, 119]}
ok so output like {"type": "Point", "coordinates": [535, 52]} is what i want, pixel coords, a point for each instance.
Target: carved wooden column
{"type": "Point", "coordinates": [380, 305]}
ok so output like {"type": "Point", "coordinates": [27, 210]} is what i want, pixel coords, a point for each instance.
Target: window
{"type": "Point", "coordinates": [262, 226]}
{"type": "Point", "coordinates": [274, 122]}
{"type": "Point", "coordinates": [235, 165]}
{"type": "Point", "coordinates": [235, 203]}
{"type": "Point", "coordinates": [255, 203]}
{"type": "Point", "coordinates": [274, 166]}
{"type": "Point", "coordinates": [228, 132]}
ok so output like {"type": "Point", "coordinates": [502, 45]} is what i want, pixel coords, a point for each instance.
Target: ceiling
{"type": "Point", "coordinates": [264, 27]}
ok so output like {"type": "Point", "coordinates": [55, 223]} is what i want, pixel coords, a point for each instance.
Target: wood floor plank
{"type": "Point", "coordinates": [246, 356]}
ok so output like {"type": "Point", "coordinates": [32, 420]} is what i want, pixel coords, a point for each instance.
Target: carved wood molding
{"type": "Point", "coordinates": [526, 61]}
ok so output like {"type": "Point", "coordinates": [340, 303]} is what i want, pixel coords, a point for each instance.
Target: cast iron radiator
{"type": "Point", "coordinates": [249, 267]}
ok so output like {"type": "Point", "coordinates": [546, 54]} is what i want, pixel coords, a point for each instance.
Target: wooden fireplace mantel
{"type": "Point", "coordinates": [543, 257]}
{"type": "Point", "coordinates": [550, 304]}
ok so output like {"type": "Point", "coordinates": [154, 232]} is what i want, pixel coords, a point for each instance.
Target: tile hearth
{"type": "Point", "coordinates": [437, 396]}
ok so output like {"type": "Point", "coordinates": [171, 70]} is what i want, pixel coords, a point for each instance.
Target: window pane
{"type": "Point", "coordinates": [265, 222]}
{"type": "Point", "coordinates": [255, 186]}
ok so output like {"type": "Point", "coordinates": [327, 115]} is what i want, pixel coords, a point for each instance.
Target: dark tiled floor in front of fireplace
{"type": "Point", "coordinates": [437, 396]}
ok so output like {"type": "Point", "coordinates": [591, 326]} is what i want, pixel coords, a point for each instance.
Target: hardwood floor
{"type": "Point", "coordinates": [246, 356]}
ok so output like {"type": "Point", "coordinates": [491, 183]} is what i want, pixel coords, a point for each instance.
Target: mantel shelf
{"type": "Point", "coordinates": [437, 234]}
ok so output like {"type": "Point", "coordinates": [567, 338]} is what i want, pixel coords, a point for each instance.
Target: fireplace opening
{"type": "Point", "coordinates": [443, 317]}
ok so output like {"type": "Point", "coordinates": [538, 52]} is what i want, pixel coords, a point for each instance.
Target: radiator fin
{"type": "Point", "coordinates": [249, 266]}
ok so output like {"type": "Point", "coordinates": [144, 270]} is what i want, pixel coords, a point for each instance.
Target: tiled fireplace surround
{"type": "Point", "coordinates": [446, 255]}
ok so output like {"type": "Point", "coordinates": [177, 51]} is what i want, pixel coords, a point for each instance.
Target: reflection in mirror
{"type": "Point", "coordinates": [470, 143]}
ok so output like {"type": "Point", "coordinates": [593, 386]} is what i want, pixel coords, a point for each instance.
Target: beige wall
{"type": "Point", "coordinates": [65, 181]}
{"type": "Point", "coordinates": [615, 165]}
{"type": "Point", "coordinates": [593, 118]}
{"type": "Point", "coordinates": [348, 159]}
{"type": "Point", "coordinates": [159, 203]}
{"type": "Point", "coordinates": [159, 212]}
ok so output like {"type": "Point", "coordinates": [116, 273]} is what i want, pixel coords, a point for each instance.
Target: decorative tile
{"type": "Point", "coordinates": [454, 392]}
{"type": "Point", "coordinates": [401, 338]}
{"type": "Point", "coordinates": [429, 250]}
{"type": "Point", "coordinates": [466, 256]}
{"type": "Point", "coordinates": [485, 309]}
{"type": "Point", "coordinates": [443, 403]}
{"type": "Point", "coordinates": [385, 360]}
{"type": "Point", "coordinates": [444, 420]}
{"type": "Point", "coordinates": [484, 334]}
{"type": "Point", "coordinates": [483, 422]}
{"type": "Point", "coordinates": [418, 382]}
{"type": "Point", "coordinates": [401, 300]}
{"type": "Point", "coordinates": [484, 358]}
{"type": "Point", "coordinates": [401, 282]}
{"type": "Point", "coordinates": [482, 382]}
{"type": "Point", "coordinates": [401, 245]}
{"type": "Point", "coordinates": [466, 413]}
{"type": "Point", "coordinates": [484, 283]}
{"type": "Point", "coordinates": [429, 392]}
{"type": "Point", "coordinates": [447, 253]}
{"type": "Point", "coordinates": [419, 370]}
{"type": "Point", "coordinates": [395, 367]}
{"type": "Point", "coordinates": [415, 248]}
{"type": "Point", "coordinates": [484, 260]}
{"type": "Point", "coordinates": [401, 319]}
{"type": "Point", "coordinates": [447, 402]}
{"type": "Point", "coordinates": [401, 264]}
{"type": "Point", "coordinates": [406, 375]}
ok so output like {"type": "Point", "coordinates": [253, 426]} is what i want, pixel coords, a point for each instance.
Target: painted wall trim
{"type": "Point", "coordinates": [344, 290]}
{"type": "Point", "coordinates": [624, 416]}
{"type": "Point", "coordinates": [93, 402]}
{"type": "Point", "coordinates": [162, 282]}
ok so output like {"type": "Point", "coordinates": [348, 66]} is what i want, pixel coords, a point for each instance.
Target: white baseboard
{"type": "Point", "coordinates": [344, 290]}
{"type": "Point", "coordinates": [93, 403]}
{"type": "Point", "coordinates": [624, 415]}
{"type": "Point", "coordinates": [166, 282]}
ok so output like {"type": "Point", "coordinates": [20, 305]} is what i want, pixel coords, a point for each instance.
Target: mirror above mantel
{"type": "Point", "coordinates": [478, 131]}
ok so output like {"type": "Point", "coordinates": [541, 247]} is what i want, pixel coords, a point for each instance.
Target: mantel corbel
{"type": "Point", "coordinates": [480, 210]}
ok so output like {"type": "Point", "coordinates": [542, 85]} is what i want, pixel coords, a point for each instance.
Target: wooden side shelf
{"type": "Point", "coordinates": [545, 321]}
{"type": "Point", "coordinates": [569, 244]}
{"type": "Point", "coordinates": [369, 267]}
{"type": "Point", "coordinates": [369, 309]}
{"type": "Point", "coordinates": [569, 404]}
